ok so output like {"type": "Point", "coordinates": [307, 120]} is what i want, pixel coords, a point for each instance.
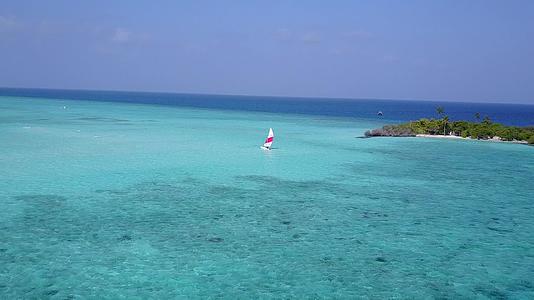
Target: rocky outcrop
{"type": "Point", "coordinates": [390, 130]}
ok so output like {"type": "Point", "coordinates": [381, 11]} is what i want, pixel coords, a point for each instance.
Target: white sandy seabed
{"type": "Point", "coordinates": [494, 139]}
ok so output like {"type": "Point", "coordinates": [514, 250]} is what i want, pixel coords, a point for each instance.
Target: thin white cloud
{"type": "Point", "coordinates": [283, 34]}
{"type": "Point", "coordinates": [121, 35]}
{"type": "Point", "coordinates": [358, 34]}
{"type": "Point", "coordinates": [388, 59]}
{"type": "Point", "coordinates": [311, 38]}
{"type": "Point", "coordinates": [8, 23]}
{"type": "Point", "coordinates": [286, 35]}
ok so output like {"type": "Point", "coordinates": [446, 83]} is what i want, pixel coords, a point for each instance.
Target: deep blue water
{"type": "Point", "coordinates": [394, 110]}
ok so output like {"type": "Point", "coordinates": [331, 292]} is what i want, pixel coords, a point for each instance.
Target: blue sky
{"type": "Point", "coordinates": [430, 50]}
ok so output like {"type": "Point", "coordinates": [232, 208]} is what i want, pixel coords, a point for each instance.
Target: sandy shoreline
{"type": "Point", "coordinates": [497, 140]}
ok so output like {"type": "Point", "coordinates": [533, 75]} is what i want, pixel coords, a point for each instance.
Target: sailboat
{"type": "Point", "coordinates": [269, 140]}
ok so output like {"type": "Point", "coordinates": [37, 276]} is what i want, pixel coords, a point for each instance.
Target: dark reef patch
{"type": "Point", "coordinates": [491, 292]}
{"type": "Point", "coordinates": [295, 189]}
{"type": "Point", "coordinates": [102, 119]}
{"type": "Point", "coordinates": [125, 237]}
{"type": "Point", "coordinates": [500, 230]}
{"type": "Point", "coordinates": [51, 292]}
{"type": "Point", "coordinates": [114, 192]}
{"type": "Point", "coordinates": [42, 199]}
{"type": "Point", "coordinates": [43, 205]}
{"type": "Point", "coordinates": [216, 240]}
{"type": "Point", "coordinates": [381, 259]}
{"type": "Point", "coordinates": [218, 217]}
{"type": "Point", "coordinates": [369, 214]}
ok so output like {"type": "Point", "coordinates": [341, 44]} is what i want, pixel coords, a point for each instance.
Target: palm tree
{"type": "Point", "coordinates": [477, 116]}
{"type": "Point", "coordinates": [440, 110]}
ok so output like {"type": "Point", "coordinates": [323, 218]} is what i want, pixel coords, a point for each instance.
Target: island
{"type": "Point", "coordinates": [444, 128]}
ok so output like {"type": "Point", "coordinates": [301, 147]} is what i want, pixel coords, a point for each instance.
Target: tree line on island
{"type": "Point", "coordinates": [483, 129]}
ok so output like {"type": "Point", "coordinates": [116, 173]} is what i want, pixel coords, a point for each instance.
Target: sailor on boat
{"type": "Point", "coordinates": [269, 140]}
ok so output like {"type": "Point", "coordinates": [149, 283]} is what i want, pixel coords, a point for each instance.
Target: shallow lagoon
{"type": "Point", "coordinates": [122, 200]}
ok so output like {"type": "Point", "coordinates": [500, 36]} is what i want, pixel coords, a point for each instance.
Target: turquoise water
{"type": "Point", "coordinates": [111, 200]}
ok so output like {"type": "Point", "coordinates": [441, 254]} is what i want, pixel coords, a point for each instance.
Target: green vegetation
{"type": "Point", "coordinates": [485, 129]}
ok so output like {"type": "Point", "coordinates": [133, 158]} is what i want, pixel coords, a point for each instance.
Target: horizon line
{"type": "Point", "coordinates": [260, 96]}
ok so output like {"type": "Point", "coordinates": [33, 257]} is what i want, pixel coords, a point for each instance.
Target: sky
{"type": "Point", "coordinates": [477, 50]}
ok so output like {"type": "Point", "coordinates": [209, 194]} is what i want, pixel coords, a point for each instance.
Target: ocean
{"type": "Point", "coordinates": [393, 110]}
{"type": "Point", "coordinates": [122, 195]}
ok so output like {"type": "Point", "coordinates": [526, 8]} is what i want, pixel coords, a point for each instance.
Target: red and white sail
{"type": "Point", "coordinates": [269, 139]}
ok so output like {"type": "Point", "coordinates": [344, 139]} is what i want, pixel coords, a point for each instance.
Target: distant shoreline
{"type": "Point", "coordinates": [484, 130]}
